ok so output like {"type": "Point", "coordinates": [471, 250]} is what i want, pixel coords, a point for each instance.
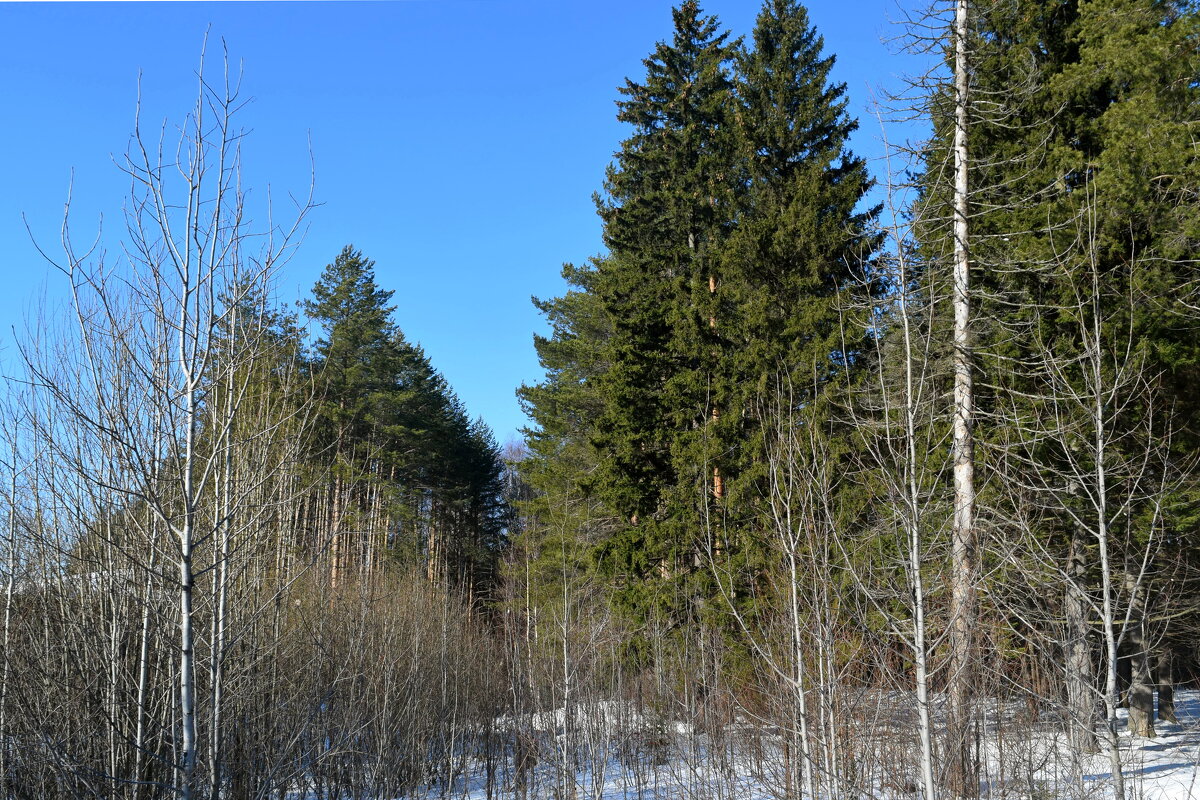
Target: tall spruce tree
{"type": "Point", "coordinates": [667, 209]}
{"type": "Point", "coordinates": [734, 229]}
{"type": "Point", "coordinates": [799, 262]}
{"type": "Point", "coordinates": [566, 406]}
{"type": "Point", "coordinates": [1129, 187]}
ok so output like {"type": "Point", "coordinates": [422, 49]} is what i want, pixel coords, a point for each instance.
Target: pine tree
{"type": "Point", "coordinates": [409, 475]}
{"type": "Point", "coordinates": [355, 363]}
{"type": "Point", "coordinates": [358, 354]}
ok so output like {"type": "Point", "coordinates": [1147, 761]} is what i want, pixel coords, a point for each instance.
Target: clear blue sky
{"type": "Point", "coordinates": [456, 142]}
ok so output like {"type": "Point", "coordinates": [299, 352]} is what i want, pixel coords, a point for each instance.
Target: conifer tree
{"type": "Point", "coordinates": [667, 209]}
{"type": "Point", "coordinates": [733, 223]}
{"type": "Point", "coordinates": [356, 364]}
{"type": "Point", "coordinates": [799, 260]}
{"type": "Point", "coordinates": [409, 475]}
{"type": "Point", "coordinates": [566, 406]}
{"type": "Point", "coordinates": [1078, 208]}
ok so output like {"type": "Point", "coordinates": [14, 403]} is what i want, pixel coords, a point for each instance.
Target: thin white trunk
{"type": "Point", "coordinates": [187, 576]}
{"type": "Point", "coordinates": [224, 520]}
{"type": "Point", "coordinates": [10, 583]}
{"type": "Point", "coordinates": [913, 524]}
{"type": "Point", "coordinates": [187, 664]}
{"type": "Point", "coordinates": [567, 773]}
{"type": "Point", "coordinates": [800, 677]}
{"type": "Point", "coordinates": [187, 668]}
{"type": "Point", "coordinates": [1108, 621]}
{"type": "Point", "coordinates": [1098, 383]}
{"type": "Point", "coordinates": [216, 667]}
{"type": "Point", "coordinates": [115, 633]}
{"type": "Point", "coordinates": [964, 570]}
{"type": "Point", "coordinates": [143, 679]}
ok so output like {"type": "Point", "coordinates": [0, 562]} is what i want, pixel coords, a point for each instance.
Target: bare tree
{"type": "Point", "coordinates": [1092, 456]}
{"type": "Point", "coordinates": [965, 572]}
{"type": "Point", "coordinates": [898, 425]}
{"type": "Point", "coordinates": [153, 414]}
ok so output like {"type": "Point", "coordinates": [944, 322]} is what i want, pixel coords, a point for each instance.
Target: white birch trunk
{"type": "Point", "coordinates": [964, 569]}
{"type": "Point", "coordinates": [187, 651]}
{"type": "Point", "coordinates": [9, 586]}
{"type": "Point", "coordinates": [915, 555]}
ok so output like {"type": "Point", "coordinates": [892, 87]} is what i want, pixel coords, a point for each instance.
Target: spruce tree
{"type": "Point", "coordinates": [736, 241]}
{"type": "Point", "coordinates": [1079, 209]}
{"type": "Point", "coordinates": [798, 266]}
{"type": "Point", "coordinates": [668, 205]}
{"type": "Point", "coordinates": [566, 405]}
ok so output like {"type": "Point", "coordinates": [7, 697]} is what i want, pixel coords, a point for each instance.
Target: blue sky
{"type": "Point", "coordinates": [456, 142]}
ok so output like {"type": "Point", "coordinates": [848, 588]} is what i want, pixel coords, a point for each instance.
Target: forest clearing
{"type": "Point", "coordinates": [841, 477]}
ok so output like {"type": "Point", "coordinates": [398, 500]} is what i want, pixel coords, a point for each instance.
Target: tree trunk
{"type": "Point", "coordinates": [1112, 662]}
{"type": "Point", "coordinates": [187, 668]}
{"type": "Point", "coordinates": [718, 488]}
{"type": "Point", "coordinates": [1141, 691]}
{"type": "Point", "coordinates": [1124, 678]}
{"type": "Point", "coordinates": [1166, 685]}
{"type": "Point", "coordinates": [963, 773]}
{"type": "Point", "coordinates": [432, 550]}
{"type": "Point", "coordinates": [1081, 705]}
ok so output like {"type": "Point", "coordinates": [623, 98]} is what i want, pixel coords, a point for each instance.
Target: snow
{"type": "Point", "coordinates": [616, 753]}
{"type": "Point", "coordinates": [1165, 767]}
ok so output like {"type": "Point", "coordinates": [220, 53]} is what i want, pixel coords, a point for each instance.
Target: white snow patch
{"type": "Point", "coordinates": [608, 751]}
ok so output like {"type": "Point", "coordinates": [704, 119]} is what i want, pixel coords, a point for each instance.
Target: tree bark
{"type": "Point", "coordinates": [1081, 705]}
{"type": "Point", "coordinates": [963, 772]}
{"type": "Point", "coordinates": [1166, 685]}
{"type": "Point", "coordinates": [1141, 691]}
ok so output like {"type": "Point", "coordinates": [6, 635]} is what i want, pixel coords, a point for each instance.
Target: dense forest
{"type": "Point", "coordinates": [854, 478]}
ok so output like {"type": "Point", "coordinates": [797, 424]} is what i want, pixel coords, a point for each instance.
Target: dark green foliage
{"type": "Point", "coordinates": [668, 207]}
{"type": "Point", "coordinates": [410, 476]}
{"type": "Point", "coordinates": [799, 260]}
{"type": "Point", "coordinates": [666, 210]}
{"type": "Point", "coordinates": [564, 408]}
{"type": "Point", "coordinates": [1084, 230]}
{"type": "Point", "coordinates": [1079, 151]}
{"type": "Point", "coordinates": [735, 247]}
{"type": "Point", "coordinates": [739, 298]}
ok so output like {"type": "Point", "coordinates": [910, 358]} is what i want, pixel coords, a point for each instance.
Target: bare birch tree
{"type": "Point", "coordinates": [155, 334]}
{"type": "Point", "coordinates": [898, 426]}
{"type": "Point", "coordinates": [965, 572]}
{"type": "Point", "coordinates": [1091, 454]}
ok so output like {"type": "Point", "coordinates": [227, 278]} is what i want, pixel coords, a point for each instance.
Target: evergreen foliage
{"type": "Point", "coordinates": [1083, 236]}
{"type": "Point", "coordinates": [409, 475]}
{"type": "Point", "coordinates": [800, 259]}
{"type": "Point", "coordinates": [735, 513]}
{"type": "Point", "coordinates": [735, 234]}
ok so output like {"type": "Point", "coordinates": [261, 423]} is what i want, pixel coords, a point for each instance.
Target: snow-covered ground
{"type": "Point", "coordinates": [1165, 767]}
{"type": "Point", "coordinates": [618, 754]}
